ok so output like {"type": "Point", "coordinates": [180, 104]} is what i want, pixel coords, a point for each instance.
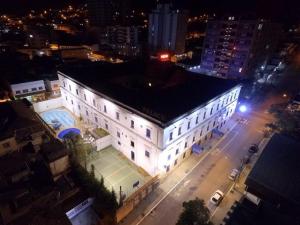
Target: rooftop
{"type": "Point", "coordinates": [276, 173]}
{"type": "Point", "coordinates": [54, 150]}
{"type": "Point", "coordinates": [18, 119]}
{"type": "Point", "coordinates": [160, 90]}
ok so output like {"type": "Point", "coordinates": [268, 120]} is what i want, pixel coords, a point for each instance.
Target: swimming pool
{"type": "Point", "coordinates": [58, 117]}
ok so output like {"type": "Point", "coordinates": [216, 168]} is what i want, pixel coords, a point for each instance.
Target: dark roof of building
{"type": "Point", "coordinates": [276, 173]}
{"type": "Point", "coordinates": [160, 90]}
{"type": "Point", "coordinates": [53, 150]}
{"type": "Point", "coordinates": [18, 119]}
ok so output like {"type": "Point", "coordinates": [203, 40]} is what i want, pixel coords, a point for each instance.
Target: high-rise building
{"type": "Point", "coordinates": [100, 12]}
{"type": "Point", "coordinates": [124, 40]}
{"type": "Point", "coordinates": [167, 29]}
{"type": "Point", "coordinates": [237, 48]}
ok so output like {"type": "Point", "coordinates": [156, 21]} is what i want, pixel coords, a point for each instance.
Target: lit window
{"type": "Point", "coordinates": [148, 133]}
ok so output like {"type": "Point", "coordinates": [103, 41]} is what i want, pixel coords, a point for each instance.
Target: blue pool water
{"type": "Point", "coordinates": [58, 116]}
{"type": "Point", "coordinates": [66, 131]}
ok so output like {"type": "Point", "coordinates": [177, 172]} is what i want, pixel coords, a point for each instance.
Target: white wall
{"type": "Point", "coordinates": [48, 104]}
{"type": "Point", "coordinates": [31, 87]}
{"type": "Point", "coordinates": [103, 142]}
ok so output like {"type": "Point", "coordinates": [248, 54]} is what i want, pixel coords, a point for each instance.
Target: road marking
{"type": "Point", "coordinates": [187, 174]}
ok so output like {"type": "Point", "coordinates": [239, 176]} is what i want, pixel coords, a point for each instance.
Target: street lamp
{"type": "Point", "coordinates": [242, 108]}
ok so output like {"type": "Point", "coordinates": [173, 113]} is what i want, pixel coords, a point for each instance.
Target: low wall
{"type": "Point", "coordinates": [103, 142]}
{"type": "Point", "coordinates": [48, 104]}
{"type": "Point", "coordinates": [132, 201]}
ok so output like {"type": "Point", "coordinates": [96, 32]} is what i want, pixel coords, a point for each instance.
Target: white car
{"type": "Point", "coordinates": [217, 197]}
{"type": "Point", "coordinates": [233, 175]}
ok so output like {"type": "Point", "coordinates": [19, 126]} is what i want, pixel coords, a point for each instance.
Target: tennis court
{"type": "Point", "coordinates": [118, 171]}
{"type": "Point", "coordinates": [59, 118]}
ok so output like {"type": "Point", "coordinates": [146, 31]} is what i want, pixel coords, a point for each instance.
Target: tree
{"type": "Point", "coordinates": [194, 213]}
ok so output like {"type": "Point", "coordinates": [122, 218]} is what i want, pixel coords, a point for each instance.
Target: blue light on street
{"type": "Point", "coordinates": [243, 108]}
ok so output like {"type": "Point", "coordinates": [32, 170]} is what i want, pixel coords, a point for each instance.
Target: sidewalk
{"type": "Point", "coordinates": [237, 191]}
{"type": "Point", "coordinates": [174, 178]}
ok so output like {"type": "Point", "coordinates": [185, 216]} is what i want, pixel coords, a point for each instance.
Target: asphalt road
{"type": "Point", "coordinates": [212, 173]}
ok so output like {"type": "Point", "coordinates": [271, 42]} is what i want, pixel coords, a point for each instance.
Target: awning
{"type": "Point", "coordinates": [196, 148]}
{"type": "Point", "coordinates": [218, 132]}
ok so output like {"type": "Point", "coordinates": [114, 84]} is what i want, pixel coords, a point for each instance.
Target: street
{"type": "Point", "coordinates": [211, 172]}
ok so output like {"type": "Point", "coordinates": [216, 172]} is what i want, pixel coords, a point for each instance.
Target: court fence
{"type": "Point", "coordinates": [133, 200]}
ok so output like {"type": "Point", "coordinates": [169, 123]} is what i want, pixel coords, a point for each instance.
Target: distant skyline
{"type": "Point", "coordinates": [286, 10]}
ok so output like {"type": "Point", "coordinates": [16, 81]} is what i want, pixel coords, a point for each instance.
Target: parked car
{"type": "Point", "coordinates": [217, 197]}
{"type": "Point", "coordinates": [253, 149]}
{"type": "Point", "coordinates": [234, 173]}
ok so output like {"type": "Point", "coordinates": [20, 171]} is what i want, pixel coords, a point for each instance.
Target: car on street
{"type": "Point", "coordinates": [217, 197]}
{"type": "Point", "coordinates": [233, 175]}
{"type": "Point", "coordinates": [253, 149]}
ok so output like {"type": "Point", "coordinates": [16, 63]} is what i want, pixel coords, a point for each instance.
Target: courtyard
{"type": "Point", "coordinates": [118, 171]}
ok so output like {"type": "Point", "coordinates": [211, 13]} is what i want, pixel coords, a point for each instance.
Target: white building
{"type": "Point", "coordinates": [155, 112]}
{"type": "Point", "coordinates": [167, 29]}
{"type": "Point", "coordinates": [32, 90]}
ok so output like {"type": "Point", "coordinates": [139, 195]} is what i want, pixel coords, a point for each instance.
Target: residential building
{"type": "Point", "coordinates": [56, 158]}
{"type": "Point", "coordinates": [19, 126]}
{"type": "Point", "coordinates": [53, 87]}
{"type": "Point", "coordinates": [124, 40]}
{"type": "Point", "coordinates": [154, 111]}
{"type": "Point", "coordinates": [33, 90]}
{"type": "Point", "coordinates": [237, 48]}
{"type": "Point", "coordinates": [167, 29]}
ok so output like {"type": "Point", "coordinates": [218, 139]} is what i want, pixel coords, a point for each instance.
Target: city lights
{"type": "Point", "coordinates": [243, 108]}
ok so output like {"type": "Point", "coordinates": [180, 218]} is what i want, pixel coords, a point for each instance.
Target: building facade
{"type": "Point", "coordinates": [237, 48]}
{"type": "Point", "coordinates": [154, 146]}
{"type": "Point", "coordinates": [124, 40]}
{"type": "Point", "coordinates": [167, 29]}
{"type": "Point", "coordinates": [32, 90]}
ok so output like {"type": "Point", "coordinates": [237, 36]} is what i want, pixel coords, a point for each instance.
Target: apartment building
{"type": "Point", "coordinates": [238, 48]}
{"type": "Point", "coordinates": [167, 29]}
{"type": "Point", "coordinates": [154, 111]}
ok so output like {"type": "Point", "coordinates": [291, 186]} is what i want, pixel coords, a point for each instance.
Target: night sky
{"type": "Point", "coordinates": [276, 9]}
